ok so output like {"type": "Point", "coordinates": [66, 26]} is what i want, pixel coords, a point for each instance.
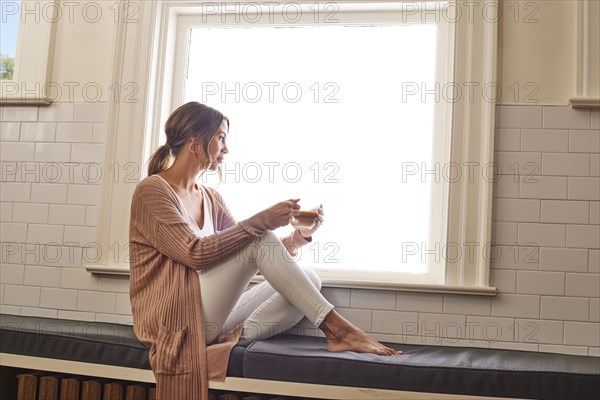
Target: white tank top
{"type": "Point", "coordinates": [208, 228]}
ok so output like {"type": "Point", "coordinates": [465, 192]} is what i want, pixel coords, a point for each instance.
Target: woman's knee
{"type": "Point", "coordinates": [314, 278]}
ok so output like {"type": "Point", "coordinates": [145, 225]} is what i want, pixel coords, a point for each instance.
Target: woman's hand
{"type": "Point", "coordinates": [283, 212]}
{"type": "Point", "coordinates": [307, 233]}
{"type": "Point", "coordinates": [276, 216]}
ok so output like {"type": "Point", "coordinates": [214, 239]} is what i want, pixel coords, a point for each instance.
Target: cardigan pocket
{"type": "Point", "coordinates": [170, 355]}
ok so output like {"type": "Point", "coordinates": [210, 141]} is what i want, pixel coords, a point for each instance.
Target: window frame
{"type": "Point", "coordinates": [34, 57]}
{"type": "Point", "coordinates": [186, 22]}
{"type": "Point", "coordinates": [588, 42]}
{"type": "Point", "coordinates": [472, 119]}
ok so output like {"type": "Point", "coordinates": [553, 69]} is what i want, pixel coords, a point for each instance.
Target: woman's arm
{"type": "Point", "coordinates": [294, 241]}
{"type": "Point", "coordinates": [155, 215]}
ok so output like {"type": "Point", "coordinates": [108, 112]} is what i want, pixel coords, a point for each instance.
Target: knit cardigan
{"type": "Point", "coordinates": [165, 290]}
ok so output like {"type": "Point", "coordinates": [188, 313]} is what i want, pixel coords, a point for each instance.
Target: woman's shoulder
{"type": "Point", "coordinates": [153, 180]}
{"type": "Point", "coordinates": [152, 184]}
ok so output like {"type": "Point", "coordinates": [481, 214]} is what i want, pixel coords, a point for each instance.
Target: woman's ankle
{"type": "Point", "coordinates": [334, 326]}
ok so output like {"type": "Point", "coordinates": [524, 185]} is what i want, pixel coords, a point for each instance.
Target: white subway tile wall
{"type": "Point", "coordinates": [38, 132]}
{"type": "Point", "coordinates": [503, 280]}
{"type": "Point", "coordinates": [566, 118]}
{"type": "Point", "coordinates": [507, 140]}
{"type": "Point", "coordinates": [517, 210]}
{"type": "Point", "coordinates": [6, 210]}
{"type": "Point", "coordinates": [373, 299]}
{"type": "Point", "coordinates": [76, 315]}
{"type": "Point", "coordinates": [10, 131]}
{"type": "Point", "coordinates": [584, 141]}
{"type": "Point", "coordinates": [73, 132]}
{"type": "Point", "coordinates": [61, 299]}
{"type": "Point", "coordinates": [39, 312]}
{"type": "Point", "coordinates": [563, 164]}
{"type": "Point", "coordinates": [466, 305]}
{"type": "Point", "coordinates": [545, 259]}
{"type": "Point", "coordinates": [572, 350]}
{"type": "Point", "coordinates": [565, 211]}
{"type": "Point", "coordinates": [594, 212]}
{"type": "Point", "coordinates": [361, 318]}
{"type": "Point", "coordinates": [514, 346]}
{"type": "Point", "coordinates": [567, 260]}
{"type": "Point", "coordinates": [58, 112]}
{"type": "Point", "coordinates": [595, 310]}
{"type": "Point", "coordinates": [421, 302]}
{"type": "Point", "coordinates": [338, 296]}
{"type": "Point", "coordinates": [538, 331]}
{"type": "Point", "coordinates": [548, 140]}
{"type": "Point", "coordinates": [490, 329]}
{"type": "Point", "coordinates": [594, 261]}
{"type": "Point", "coordinates": [583, 188]}
{"type": "Point", "coordinates": [594, 164]}
{"type": "Point", "coordinates": [97, 301]}
{"type": "Point", "coordinates": [565, 308]}
{"type": "Point", "coordinates": [595, 119]}
{"type": "Point", "coordinates": [91, 215]}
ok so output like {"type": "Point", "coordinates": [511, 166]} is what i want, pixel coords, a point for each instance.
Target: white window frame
{"type": "Point", "coordinates": [146, 55]}
{"type": "Point", "coordinates": [354, 15]}
{"type": "Point", "coordinates": [34, 56]}
{"type": "Point", "coordinates": [588, 55]}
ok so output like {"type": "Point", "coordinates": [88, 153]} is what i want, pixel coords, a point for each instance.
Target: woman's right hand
{"type": "Point", "coordinates": [275, 216]}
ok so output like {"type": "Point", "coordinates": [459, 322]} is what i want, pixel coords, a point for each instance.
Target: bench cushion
{"type": "Point", "coordinates": [455, 370]}
{"type": "Point", "coordinates": [90, 342]}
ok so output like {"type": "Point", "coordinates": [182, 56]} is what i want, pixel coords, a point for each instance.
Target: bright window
{"type": "Point", "coordinates": [27, 32]}
{"type": "Point", "coordinates": [10, 12]}
{"type": "Point", "coordinates": [321, 111]}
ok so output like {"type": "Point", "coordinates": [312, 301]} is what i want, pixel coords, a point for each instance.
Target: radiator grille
{"type": "Point", "coordinates": [36, 385]}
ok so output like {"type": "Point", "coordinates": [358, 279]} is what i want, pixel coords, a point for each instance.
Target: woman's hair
{"type": "Point", "coordinates": [191, 120]}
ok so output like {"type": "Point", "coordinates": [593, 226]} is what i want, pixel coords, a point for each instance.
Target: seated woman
{"type": "Point", "coordinates": [191, 263]}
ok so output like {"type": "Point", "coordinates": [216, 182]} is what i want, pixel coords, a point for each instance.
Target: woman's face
{"type": "Point", "coordinates": [217, 147]}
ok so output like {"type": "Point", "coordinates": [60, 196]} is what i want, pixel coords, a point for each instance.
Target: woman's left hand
{"type": "Point", "coordinates": [307, 233]}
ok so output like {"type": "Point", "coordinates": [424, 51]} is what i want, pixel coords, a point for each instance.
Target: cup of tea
{"type": "Point", "coordinates": [307, 217]}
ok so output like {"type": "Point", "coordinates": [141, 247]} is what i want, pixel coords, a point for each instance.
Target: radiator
{"type": "Point", "coordinates": [48, 386]}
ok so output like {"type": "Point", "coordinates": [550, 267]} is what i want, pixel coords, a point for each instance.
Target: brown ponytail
{"type": "Point", "coordinates": [160, 160]}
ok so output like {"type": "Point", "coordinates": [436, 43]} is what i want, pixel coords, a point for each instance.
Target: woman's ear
{"type": "Point", "coordinates": [191, 145]}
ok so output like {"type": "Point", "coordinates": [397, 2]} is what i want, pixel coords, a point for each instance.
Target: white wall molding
{"type": "Point", "coordinates": [470, 200]}
{"type": "Point", "coordinates": [126, 138]}
{"type": "Point", "coordinates": [588, 55]}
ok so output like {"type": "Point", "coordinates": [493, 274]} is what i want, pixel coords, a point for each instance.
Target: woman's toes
{"type": "Point", "coordinates": [391, 352]}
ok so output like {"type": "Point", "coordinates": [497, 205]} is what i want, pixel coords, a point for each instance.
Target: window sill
{"type": "Point", "coordinates": [344, 283]}
{"type": "Point", "coordinates": [24, 102]}
{"type": "Point", "coordinates": [585, 102]}
{"type": "Point", "coordinates": [108, 269]}
{"type": "Point", "coordinates": [402, 287]}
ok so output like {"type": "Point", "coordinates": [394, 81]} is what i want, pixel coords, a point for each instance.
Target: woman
{"type": "Point", "coordinates": [191, 263]}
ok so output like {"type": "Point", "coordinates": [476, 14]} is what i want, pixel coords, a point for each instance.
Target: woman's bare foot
{"type": "Point", "coordinates": [343, 336]}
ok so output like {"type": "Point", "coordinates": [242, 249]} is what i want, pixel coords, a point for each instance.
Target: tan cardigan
{"type": "Point", "coordinates": [165, 291]}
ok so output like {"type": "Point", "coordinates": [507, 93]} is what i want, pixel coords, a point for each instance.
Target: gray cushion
{"type": "Point", "coordinates": [471, 371]}
{"type": "Point", "coordinates": [91, 342]}
{"type": "Point", "coordinates": [501, 373]}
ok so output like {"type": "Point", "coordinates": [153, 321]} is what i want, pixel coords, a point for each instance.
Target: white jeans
{"type": "Point", "coordinates": [269, 308]}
